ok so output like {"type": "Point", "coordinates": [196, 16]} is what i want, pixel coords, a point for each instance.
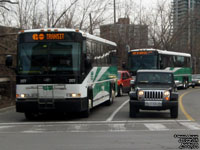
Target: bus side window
{"type": "Point", "coordinates": [180, 61]}
{"type": "Point", "coordinates": [186, 61]}
{"type": "Point", "coordinates": [162, 61]}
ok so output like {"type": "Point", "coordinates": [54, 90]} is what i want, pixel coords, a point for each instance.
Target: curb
{"type": "Point", "coordinates": [7, 108]}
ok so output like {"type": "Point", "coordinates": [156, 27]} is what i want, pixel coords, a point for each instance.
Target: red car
{"type": "Point", "coordinates": [124, 79]}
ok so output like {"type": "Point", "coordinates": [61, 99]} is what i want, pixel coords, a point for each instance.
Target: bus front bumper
{"type": "Point", "coordinates": [49, 105]}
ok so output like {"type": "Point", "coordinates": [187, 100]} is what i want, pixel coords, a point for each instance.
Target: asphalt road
{"type": "Point", "coordinates": [108, 127]}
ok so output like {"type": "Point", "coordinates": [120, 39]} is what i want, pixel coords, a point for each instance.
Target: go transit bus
{"type": "Point", "coordinates": [178, 63]}
{"type": "Point", "coordinates": [64, 70]}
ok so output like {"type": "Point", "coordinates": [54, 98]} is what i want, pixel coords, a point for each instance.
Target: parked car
{"type": "Point", "coordinates": [154, 90]}
{"type": "Point", "coordinates": [124, 80]}
{"type": "Point", "coordinates": [195, 80]}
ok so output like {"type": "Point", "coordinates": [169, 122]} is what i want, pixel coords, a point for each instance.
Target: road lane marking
{"type": "Point", "coordinates": [5, 127]}
{"type": "Point", "coordinates": [102, 127]}
{"type": "Point", "coordinates": [90, 122]}
{"type": "Point", "coordinates": [182, 107]}
{"type": "Point", "coordinates": [117, 127]}
{"type": "Point", "coordinates": [191, 125]}
{"type": "Point", "coordinates": [156, 127]}
{"type": "Point", "coordinates": [110, 118]}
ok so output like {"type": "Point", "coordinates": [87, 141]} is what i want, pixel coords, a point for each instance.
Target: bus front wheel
{"type": "Point", "coordinates": [86, 113]}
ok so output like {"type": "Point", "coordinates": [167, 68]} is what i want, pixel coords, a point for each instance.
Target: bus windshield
{"type": "Point", "coordinates": [137, 62]}
{"type": "Point", "coordinates": [49, 57]}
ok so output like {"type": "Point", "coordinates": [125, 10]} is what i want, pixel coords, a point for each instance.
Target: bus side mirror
{"type": "Point", "coordinates": [9, 61]}
{"type": "Point", "coordinates": [161, 65]}
{"type": "Point", "coordinates": [124, 65]}
{"type": "Point", "coordinates": [88, 61]}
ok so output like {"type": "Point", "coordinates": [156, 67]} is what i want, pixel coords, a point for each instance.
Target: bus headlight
{"type": "Point", "coordinates": [21, 95]}
{"type": "Point", "coordinates": [166, 95]}
{"type": "Point", "coordinates": [74, 95]}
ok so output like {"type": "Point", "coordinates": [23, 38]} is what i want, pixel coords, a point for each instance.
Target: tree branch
{"type": "Point", "coordinates": [8, 1]}
{"type": "Point", "coordinates": [5, 7]}
{"type": "Point", "coordinates": [63, 13]}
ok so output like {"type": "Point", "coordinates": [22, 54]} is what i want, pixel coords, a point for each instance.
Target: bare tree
{"type": "Point", "coordinates": [4, 2]}
{"type": "Point", "coordinates": [64, 12]}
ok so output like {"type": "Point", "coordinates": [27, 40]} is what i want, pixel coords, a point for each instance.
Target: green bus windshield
{"type": "Point", "coordinates": [49, 57]}
{"type": "Point", "coordinates": [136, 62]}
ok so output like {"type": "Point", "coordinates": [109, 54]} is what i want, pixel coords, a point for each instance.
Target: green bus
{"type": "Point", "coordinates": [179, 63]}
{"type": "Point", "coordinates": [63, 70]}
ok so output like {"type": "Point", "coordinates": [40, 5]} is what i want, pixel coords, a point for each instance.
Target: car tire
{"type": "Point", "coordinates": [185, 84]}
{"type": "Point", "coordinates": [133, 111]}
{"type": "Point", "coordinates": [86, 113]}
{"type": "Point", "coordinates": [120, 91]}
{"type": "Point", "coordinates": [174, 112]}
{"type": "Point", "coordinates": [111, 98]}
{"type": "Point", "coordinates": [30, 116]}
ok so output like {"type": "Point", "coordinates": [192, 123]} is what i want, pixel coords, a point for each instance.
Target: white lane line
{"type": "Point", "coordinates": [117, 127]}
{"type": "Point", "coordinates": [90, 122]}
{"type": "Point", "coordinates": [110, 118]}
{"type": "Point", "coordinates": [5, 127]}
{"type": "Point", "coordinates": [156, 127]}
{"type": "Point", "coordinates": [191, 125]}
{"type": "Point", "coordinates": [32, 131]}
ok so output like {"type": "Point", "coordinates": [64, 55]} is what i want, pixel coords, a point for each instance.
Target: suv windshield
{"type": "Point", "coordinates": [154, 78]}
{"type": "Point", "coordinates": [49, 57]}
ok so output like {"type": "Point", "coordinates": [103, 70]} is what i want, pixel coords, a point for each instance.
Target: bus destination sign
{"type": "Point", "coordinates": [142, 53]}
{"type": "Point", "coordinates": [48, 36]}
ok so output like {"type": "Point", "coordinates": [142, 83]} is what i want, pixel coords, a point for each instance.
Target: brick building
{"type": "Point", "coordinates": [8, 46]}
{"type": "Point", "coordinates": [125, 35]}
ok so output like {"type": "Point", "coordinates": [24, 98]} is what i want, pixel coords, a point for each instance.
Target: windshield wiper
{"type": "Point", "coordinates": [143, 82]}
{"type": "Point", "coordinates": [156, 82]}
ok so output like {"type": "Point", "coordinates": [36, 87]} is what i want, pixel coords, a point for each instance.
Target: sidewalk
{"type": "Point", "coordinates": [6, 104]}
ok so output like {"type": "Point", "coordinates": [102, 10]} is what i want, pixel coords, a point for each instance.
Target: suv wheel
{"type": "Point", "coordinates": [133, 111]}
{"type": "Point", "coordinates": [30, 116]}
{"type": "Point", "coordinates": [174, 112]}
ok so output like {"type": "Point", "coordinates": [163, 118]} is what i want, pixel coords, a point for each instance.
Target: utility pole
{"type": "Point", "coordinates": [91, 30]}
{"type": "Point", "coordinates": [114, 13]}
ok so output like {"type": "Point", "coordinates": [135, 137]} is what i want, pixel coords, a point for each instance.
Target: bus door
{"type": "Point", "coordinates": [46, 96]}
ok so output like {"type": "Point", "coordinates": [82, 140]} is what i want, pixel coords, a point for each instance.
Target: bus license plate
{"type": "Point", "coordinates": [153, 103]}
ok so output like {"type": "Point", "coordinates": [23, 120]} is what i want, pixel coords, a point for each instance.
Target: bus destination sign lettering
{"type": "Point", "coordinates": [142, 53]}
{"type": "Point", "coordinates": [48, 36]}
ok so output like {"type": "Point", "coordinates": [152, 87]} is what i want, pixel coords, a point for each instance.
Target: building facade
{"type": "Point", "coordinates": [186, 29]}
{"type": "Point", "coordinates": [126, 35]}
{"type": "Point", "coordinates": [8, 46]}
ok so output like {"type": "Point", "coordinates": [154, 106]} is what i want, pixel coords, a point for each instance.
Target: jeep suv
{"type": "Point", "coordinates": [154, 90]}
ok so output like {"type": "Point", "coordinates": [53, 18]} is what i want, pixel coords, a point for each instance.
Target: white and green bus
{"type": "Point", "coordinates": [179, 63]}
{"type": "Point", "coordinates": [63, 70]}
